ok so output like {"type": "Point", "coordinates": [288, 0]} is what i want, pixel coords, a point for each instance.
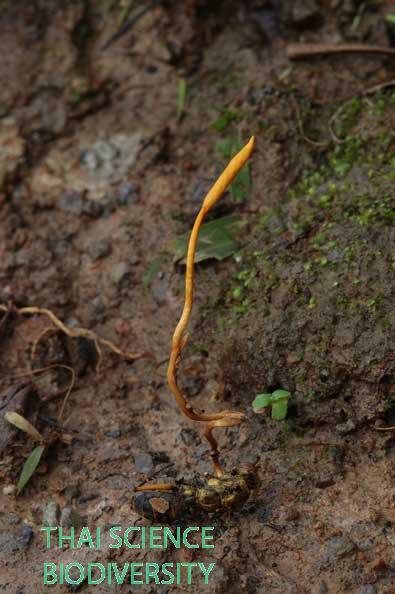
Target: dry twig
{"type": "Point", "coordinates": [296, 51]}
{"type": "Point", "coordinates": [224, 418]}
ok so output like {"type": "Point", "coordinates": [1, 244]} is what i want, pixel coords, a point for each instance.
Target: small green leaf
{"type": "Point", "coordinates": [29, 467]}
{"type": "Point", "coordinates": [216, 240]}
{"type": "Point", "coordinates": [227, 117]}
{"type": "Point", "coordinates": [390, 18]}
{"type": "Point", "coordinates": [278, 400]}
{"type": "Point", "coordinates": [182, 93]}
{"type": "Point", "coordinates": [280, 395]}
{"type": "Point", "coordinates": [279, 409]}
{"type": "Point", "coordinates": [23, 424]}
{"type": "Point", "coordinates": [261, 401]}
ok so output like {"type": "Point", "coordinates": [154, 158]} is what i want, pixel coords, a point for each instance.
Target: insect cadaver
{"type": "Point", "coordinates": [166, 503]}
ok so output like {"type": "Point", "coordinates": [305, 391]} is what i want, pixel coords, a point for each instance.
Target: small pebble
{"type": "Point", "coordinates": [114, 433]}
{"type": "Point", "coordinates": [144, 463]}
{"type": "Point", "coordinates": [99, 248]}
{"type": "Point", "coordinates": [15, 541]}
{"type": "Point", "coordinates": [69, 517]}
{"type": "Point", "coordinates": [345, 428]}
{"type": "Point", "coordinates": [13, 519]}
{"type": "Point", "coordinates": [128, 193]}
{"type": "Point", "coordinates": [189, 437]}
{"type": "Point", "coordinates": [90, 160]}
{"type": "Point", "coordinates": [105, 150]}
{"type": "Point", "coordinates": [160, 288]}
{"type": "Point", "coordinates": [71, 491]}
{"type": "Point", "coordinates": [9, 489]}
{"type": "Point", "coordinates": [323, 588]}
{"type": "Point", "coordinates": [337, 548]}
{"type": "Point", "coordinates": [119, 272]}
{"type": "Point", "coordinates": [98, 308]}
{"type": "Point", "coordinates": [75, 203]}
{"type": "Point", "coordinates": [50, 514]}
{"type": "Point", "coordinates": [368, 589]}
{"type": "Point", "coordinates": [71, 202]}
{"type": "Point", "coordinates": [304, 12]}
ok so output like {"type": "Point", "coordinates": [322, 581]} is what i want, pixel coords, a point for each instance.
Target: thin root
{"type": "Point", "coordinates": [76, 333]}
{"type": "Point", "coordinates": [72, 333]}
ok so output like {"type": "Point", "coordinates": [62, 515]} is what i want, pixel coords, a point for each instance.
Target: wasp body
{"type": "Point", "coordinates": [228, 492]}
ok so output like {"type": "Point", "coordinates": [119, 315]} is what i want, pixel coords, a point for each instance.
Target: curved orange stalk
{"type": "Point", "coordinates": [225, 418]}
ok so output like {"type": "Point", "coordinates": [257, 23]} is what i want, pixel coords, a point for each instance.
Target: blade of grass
{"type": "Point", "coordinates": [182, 94]}
{"type": "Point", "coordinates": [29, 467]}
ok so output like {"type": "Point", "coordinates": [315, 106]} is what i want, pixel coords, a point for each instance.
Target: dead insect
{"type": "Point", "coordinates": [166, 503]}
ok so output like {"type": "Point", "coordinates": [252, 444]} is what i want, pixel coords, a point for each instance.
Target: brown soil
{"type": "Point", "coordinates": [97, 178]}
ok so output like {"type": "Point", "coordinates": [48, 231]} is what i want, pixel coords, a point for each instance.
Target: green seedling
{"type": "Point", "coordinates": [29, 467]}
{"type": "Point", "coordinates": [227, 117]}
{"type": "Point", "coordinates": [35, 456]}
{"type": "Point", "coordinates": [278, 401]}
{"type": "Point", "coordinates": [182, 94]}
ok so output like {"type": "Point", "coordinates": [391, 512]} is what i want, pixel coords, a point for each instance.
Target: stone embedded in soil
{"type": "Point", "coordinates": [113, 157]}
{"type": "Point", "coordinates": [189, 437]}
{"type": "Point", "coordinates": [144, 463]}
{"type": "Point", "coordinates": [304, 12]}
{"type": "Point", "coordinates": [128, 193]}
{"type": "Point", "coordinates": [90, 160]}
{"type": "Point", "coordinates": [345, 428]}
{"type": "Point", "coordinates": [98, 308]}
{"type": "Point", "coordinates": [120, 272]}
{"type": "Point", "coordinates": [99, 248]}
{"type": "Point", "coordinates": [368, 589]}
{"type": "Point", "coordinates": [114, 433]}
{"type": "Point", "coordinates": [12, 519]}
{"type": "Point", "coordinates": [70, 517]}
{"type": "Point", "coordinates": [50, 514]}
{"type": "Point", "coordinates": [105, 150]}
{"type": "Point", "coordinates": [77, 204]}
{"type": "Point", "coordinates": [15, 541]}
{"type": "Point", "coordinates": [337, 548]}
{"type": "Point", "coordinates": [160, 288]}
{"type": "Point", "coordinates": [193, 385]}
{"type": "Point", "coordinates": [71, 202]}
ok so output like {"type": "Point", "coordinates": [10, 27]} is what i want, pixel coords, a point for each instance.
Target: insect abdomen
{"type": "Point", "coordinates": [157, 506]}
